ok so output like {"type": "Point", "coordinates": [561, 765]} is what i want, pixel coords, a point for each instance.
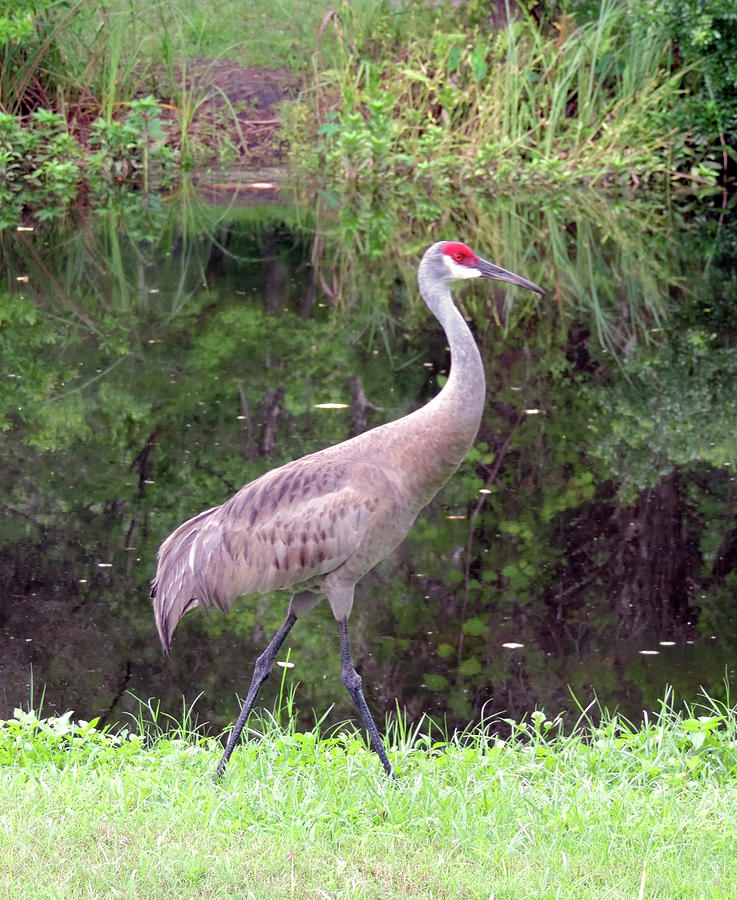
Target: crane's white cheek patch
{"type": "Point", "coordinates": [459, 271]}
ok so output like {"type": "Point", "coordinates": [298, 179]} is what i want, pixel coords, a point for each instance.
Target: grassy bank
{"type": "Point", "coordinates": [529, 103]}
{"type": "Point", "coordinates": [414, 122]}
{"type": "Point", "coordinates": [610, 811]}
{"type": "Point", "coordinates": [404, 105]}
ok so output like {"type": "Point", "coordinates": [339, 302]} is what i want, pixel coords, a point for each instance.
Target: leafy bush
{"type": "Point", "coordinates": [131, 147]}
{"type": "Point", "coordinates": [644, 427]}
{"type": "Point", "coordinates": [704, 33]}
{"type": "Point", "coordinates": [42, 165]}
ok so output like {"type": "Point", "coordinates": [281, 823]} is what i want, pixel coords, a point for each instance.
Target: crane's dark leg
{"type": "Point", "coordinates": [352, 680]}
{"type": "Point", "coordinates": [261, 672]}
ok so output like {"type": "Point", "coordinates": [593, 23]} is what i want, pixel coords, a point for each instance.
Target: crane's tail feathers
{"type": "Point", "coordinates": [175, 588]}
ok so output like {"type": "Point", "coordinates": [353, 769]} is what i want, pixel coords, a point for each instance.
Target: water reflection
{"type": "Point", "coordinates": [587, 542]}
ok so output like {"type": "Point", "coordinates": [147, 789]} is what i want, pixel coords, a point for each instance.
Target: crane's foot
{"type": "Point", "coordinates": [220, 770]}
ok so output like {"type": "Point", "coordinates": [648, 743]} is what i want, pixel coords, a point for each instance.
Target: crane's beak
{"type": "Point", "coordinates": [489, 270]}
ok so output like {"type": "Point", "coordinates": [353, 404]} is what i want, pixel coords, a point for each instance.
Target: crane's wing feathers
{"type": "Point", "coordinates": [283, 530]}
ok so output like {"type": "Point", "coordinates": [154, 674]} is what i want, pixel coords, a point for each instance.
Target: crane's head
{"type": "Point", "coordinates": [459, 261]}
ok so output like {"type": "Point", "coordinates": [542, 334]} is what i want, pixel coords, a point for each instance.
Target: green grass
{"type": "Point", "coordinates": [85, 53]}
{"type": "Point", "coordinates": [608, 811]}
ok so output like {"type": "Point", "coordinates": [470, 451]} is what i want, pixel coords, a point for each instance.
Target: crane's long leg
{"type": "Point", "coordinates": [352, 680]}
{"type": "Point", "coordinates": [261, 672]}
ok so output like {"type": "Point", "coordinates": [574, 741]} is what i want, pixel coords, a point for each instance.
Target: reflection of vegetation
{"type": "Point", "coordinates": [615, 264]}
{"type": "Point", "coordinates": [644, 425]}
{"type": "Point", "coordinates": [146, 380]}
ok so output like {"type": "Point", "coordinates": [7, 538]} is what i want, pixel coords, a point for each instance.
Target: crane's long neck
{"type": "Point", "coordinates": [461, 401]}
{"type": "Point", "coordinates": [443, 431]}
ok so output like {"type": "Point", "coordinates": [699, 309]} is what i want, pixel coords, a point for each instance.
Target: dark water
{"type": "Point", "coordinates": [589, 544]}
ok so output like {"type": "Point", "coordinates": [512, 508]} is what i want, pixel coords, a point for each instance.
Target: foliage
{"type": "Point", "coordinates": [31, 61]}
{"type": "Point", "coordinates": [76, 58]}
{"type": "Point", "coordinates": [132, 148]}
{"type": "Point", "coordinates": [42, 166]}
{"type": "Point", "coordinates": [421, 97]}
{"type": "Point", "coordinates": [704, 34]}
{"type": "Point", "coordinates": [85, 60]}
{"type": "Point", "coordinates": [39, 166]}
{"type": "Point", "coordinates": [16, 20]}
{"type": "Point", "coordinates": [28, 376]}
{"type": "Point", "coordinates": [710, 303]}
{"type": "Point", "coordinates": [420, 124]}
{"type": "Point", "coordinates": [29, 740]}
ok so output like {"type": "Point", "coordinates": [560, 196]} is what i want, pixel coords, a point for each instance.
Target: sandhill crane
{"type": "Point", "coordinates": [318, 524]}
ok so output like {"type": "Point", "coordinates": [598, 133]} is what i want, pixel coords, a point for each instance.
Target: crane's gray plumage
{"type": "Point", "coordinates": [315, 526]}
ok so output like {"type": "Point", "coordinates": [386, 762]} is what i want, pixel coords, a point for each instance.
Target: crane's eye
{"type": "Point", "coordinates": [459, 253]}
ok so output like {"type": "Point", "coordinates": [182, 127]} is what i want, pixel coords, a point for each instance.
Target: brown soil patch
{"type": "Point", "coordinates": [240, 109]}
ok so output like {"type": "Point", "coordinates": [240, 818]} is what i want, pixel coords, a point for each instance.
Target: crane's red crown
{"type": "Point", "coordinates": [460, 253]}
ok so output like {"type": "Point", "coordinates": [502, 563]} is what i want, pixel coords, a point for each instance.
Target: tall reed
{"type": "Point", "coordinates": [530, 103]}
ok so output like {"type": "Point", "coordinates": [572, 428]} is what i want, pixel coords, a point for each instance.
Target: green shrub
{"type": "Point", "coordinates": [40, 166]}
{"type": "Point", "coordinates": [704, 33]}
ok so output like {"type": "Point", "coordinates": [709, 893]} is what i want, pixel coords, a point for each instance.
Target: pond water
{"type": "Point", "coordinates": [154, 362]}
